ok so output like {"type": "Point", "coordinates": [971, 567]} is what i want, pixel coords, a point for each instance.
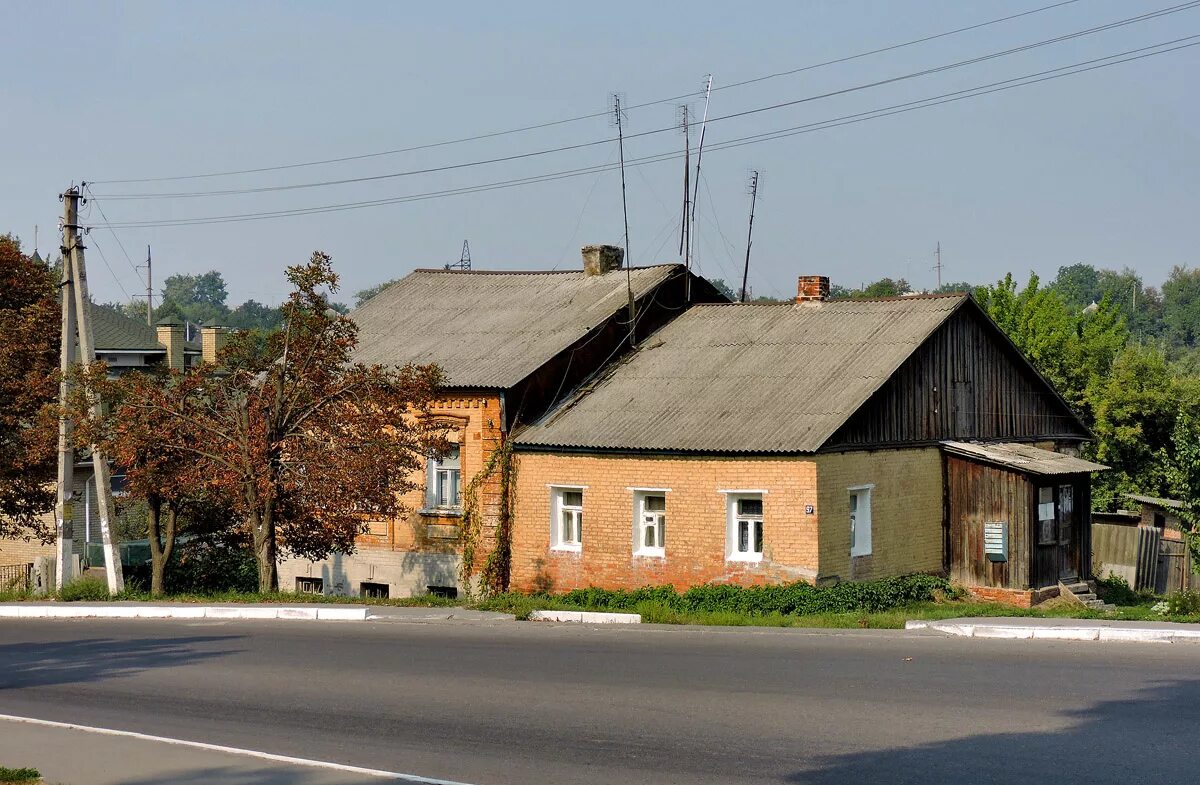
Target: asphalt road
{"type": "Point", "coordinates": [509, 704]}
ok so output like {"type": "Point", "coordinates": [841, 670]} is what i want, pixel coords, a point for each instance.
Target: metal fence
{"type": "Point", "coordinates": [15, 577]}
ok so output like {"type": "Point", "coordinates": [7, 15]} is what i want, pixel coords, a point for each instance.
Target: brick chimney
{"type": "Point", "coordinates": [600, 259]}
{"type": "Point", "coordinates": [212, 340]}
{"type": "Point", "coordinates": [170, 335]}
{"type": "Point", "coordinates": [812, 288]}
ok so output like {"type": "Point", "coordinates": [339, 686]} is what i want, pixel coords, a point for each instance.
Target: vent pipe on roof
{"type": "Point", "coordinates": [812, 288]}
{"type": "Point", "coordinates": [600, 259]}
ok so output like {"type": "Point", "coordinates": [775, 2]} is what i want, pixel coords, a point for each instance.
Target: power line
{"type": "Point", "coordinates": [104, 259]}
{"type": "Point", "coordinates": [923, 103]}
{"type": "Point", "coordinates": [96, 202]}
{"type": "Point", "coordinates": [581, 145]}
{"type": "Point", "coordinates": [549, 124]}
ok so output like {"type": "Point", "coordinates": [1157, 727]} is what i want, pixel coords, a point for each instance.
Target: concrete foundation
{"type": "Point", "coordinates": [405, 573]}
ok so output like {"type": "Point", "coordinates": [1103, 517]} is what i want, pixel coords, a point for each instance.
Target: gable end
{"type": "Point", "coordinates": [967, 381]}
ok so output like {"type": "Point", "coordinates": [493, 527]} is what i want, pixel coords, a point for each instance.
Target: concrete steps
{"type": "Point", "coordinates": [1085, 594]}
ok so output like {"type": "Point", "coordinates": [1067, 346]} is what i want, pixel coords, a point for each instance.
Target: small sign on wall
{"type": "Point", "coordinates": [995, 540]}
{"type": "Point", "coordinates": [808, 509]}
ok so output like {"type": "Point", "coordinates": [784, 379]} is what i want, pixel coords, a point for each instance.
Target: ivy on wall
{"type": "Point", "coordinates": [497, 567]}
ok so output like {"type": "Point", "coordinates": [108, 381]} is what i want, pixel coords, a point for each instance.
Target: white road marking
{"type": "Point", "coordinates": [199, 745]}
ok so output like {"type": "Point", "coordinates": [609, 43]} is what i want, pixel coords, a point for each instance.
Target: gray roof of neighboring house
{"type": "Point", "coordinates": [1171, 504]}
{"type": "Point", "coordinates": [747, 378]}
{"type": "Point", "coordinates": [1023, 457]}
{"type": "Point", "coordinates": [492, 329]}
{"type": "Point", "coordinates": [112, 331]}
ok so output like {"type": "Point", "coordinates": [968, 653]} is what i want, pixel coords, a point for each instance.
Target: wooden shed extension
{"type": "Point", "coordinates": [1017, 516]}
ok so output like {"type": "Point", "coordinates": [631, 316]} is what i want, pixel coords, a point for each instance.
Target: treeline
{"type": "Point", "coordinates": [203, 299]}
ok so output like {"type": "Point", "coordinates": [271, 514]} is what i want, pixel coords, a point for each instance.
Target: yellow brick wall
{"type": "Point", "coordinates": [696, 520]}
{"type": "Point", "coordinates": [906, 512]}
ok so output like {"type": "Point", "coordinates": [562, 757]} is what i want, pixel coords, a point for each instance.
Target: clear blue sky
{"type": "Point", "coordinates": [1101, 167]}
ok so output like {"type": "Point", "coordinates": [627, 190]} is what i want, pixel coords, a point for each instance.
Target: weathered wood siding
{"type": "Point", "coordinates": [976, 493]}
{"type": "Point", "coordinates": [966, 382]}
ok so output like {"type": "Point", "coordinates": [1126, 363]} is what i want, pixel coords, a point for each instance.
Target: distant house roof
{"type": "Point", "coordinates": [1023, 457]}
{"type": "Point", "coordinates": [492, 329]}
{"type": "Point", "coordinates": [112, 331]}
{"type": "Point", "coordinates": [1154, 501]}
{"type": "Point", "coordinates": [747, 378]}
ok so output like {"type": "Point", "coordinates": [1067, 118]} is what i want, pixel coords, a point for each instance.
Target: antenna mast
{"type": "Point", "coordinates": [464, 259]}
{"type": "Point", "coordinates": [617, 115]}
{"type": "Point", "coordinates": [696, 184]}
{"type": "Point", "coordinates": [149, 290]}
{"type": "Point", "coordinates": [938, 253]}
{"type": "Point", "coordinates": [750, 231]}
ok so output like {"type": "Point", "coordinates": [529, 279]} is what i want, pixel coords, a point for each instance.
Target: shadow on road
{"type": "Point", "coordinates": [244, 775]}
{"type": "Point", "coordinates": [40, 664]}
{"type": "Point", "coordinates": [1148, 738]}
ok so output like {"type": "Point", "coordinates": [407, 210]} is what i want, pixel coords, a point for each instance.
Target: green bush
{"type": "Point", "coordinates": [19, 775]}
{"type": "Point", "coordinates": [84, 589]}
{"type": "Point", "coordinates": [1116, 590]}
{"type": "Point", "coordinates": [1183, 603]}
{"type": "Point", "coordinates": [199, 567]}
{"type": "Point", "coordinates": [791, 599]}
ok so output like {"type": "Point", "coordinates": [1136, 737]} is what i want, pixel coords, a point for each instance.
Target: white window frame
{"type": "Point", "coordinates": [640, 513]}
{"type": "Point", "coordinates": [557, 508]}
{"type": "Point", "coordinates": [860, 546]}
{"type": "Point", "coordinates": [433, 472]}
{"type": "Point", "coordinates": [732, 527]}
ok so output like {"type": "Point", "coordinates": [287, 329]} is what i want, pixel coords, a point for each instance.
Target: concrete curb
{"type": "Point", "coordinates": [1059, 633]}
{"type": "Point", "coordinates": [71, 611]}
{"type": "Point", "coordinates": [589, 617]}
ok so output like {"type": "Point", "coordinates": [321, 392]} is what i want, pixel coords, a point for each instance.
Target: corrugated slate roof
{"type": "Point", "coordinates": [747, 378]}
{"type": "Point", "coordinates": [1023, 457]}
{"type": "Point", "coordinates": [1173, 504]}
{"type": "Point", "coordinates": [491, 329]}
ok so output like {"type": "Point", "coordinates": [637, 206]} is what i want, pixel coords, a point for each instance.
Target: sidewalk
{"type": "Point", "coordinates": [232, 610]}
{"type": "Point", "coordinates": [1063, 629]}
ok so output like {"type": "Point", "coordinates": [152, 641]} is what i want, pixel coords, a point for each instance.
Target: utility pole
{"type": "Point", "coordinates": [617, 115]}
{"type": "Point", "coordinates": [938, 266]}
{"type": "Point", "coordinates": [76, 276]}
{"type": "Point", "coordinates": [149, 291]}
{"type": "Point", "coordinates": [750, 231]}
{"type": "Point", "coordinates": [64, 523]}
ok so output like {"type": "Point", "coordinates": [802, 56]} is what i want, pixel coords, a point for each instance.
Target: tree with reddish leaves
{"type": "Point", "coordinates": [29, 327]}
{"type": "Point", "coordinates": [138, 432]}
{"type": "Point", "coordinates": [303, 444]}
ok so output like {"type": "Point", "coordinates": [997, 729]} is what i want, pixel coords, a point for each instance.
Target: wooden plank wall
{"type": "Point", "coordinates": [977, 493]}
{"type": "Point", "coordinates": [964, 383]}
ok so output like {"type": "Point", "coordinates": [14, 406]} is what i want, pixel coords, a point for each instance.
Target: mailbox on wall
{"type": "Point", "coordinates": [995, 540]}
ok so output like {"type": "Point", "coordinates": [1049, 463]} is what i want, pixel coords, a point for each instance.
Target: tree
{"type": "Point", "coordinates": [29, 326]}
{"type": "Point", "coordinates": [1135, 409]}
{"type": "Point", "coordinates": [302, 443]}
{"type": "Point", "coordinates": [252, 315]}
{"type": "Point", "coordinates": [204, 289]}
{"type": "Point", "coordinates": [137, 431]}
{"type": "Point", "coordinates": [954, 287]}
{"type": "Point", "coordinates": [1183, 473]}
{"type": "Point", "coordinates": [361, 297]}
{"type": "Point", "coordinates": [722, 287]}
{"type": "Point", "coordinates": [1077, 284]}
{"type": "Point", "coordinates": [1181, 306]}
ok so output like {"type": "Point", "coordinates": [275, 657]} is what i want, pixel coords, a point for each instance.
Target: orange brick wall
{"type": "Point", "coordinates": [475, 422]}
{"type": "Point", "coordinates": [696, 520]}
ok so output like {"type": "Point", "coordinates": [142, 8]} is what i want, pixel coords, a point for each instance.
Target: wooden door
{"type": "Point", "coordinates": [1068, 534]}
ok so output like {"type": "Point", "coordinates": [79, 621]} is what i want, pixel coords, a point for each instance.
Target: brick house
{"type": "Point", "coordinates": [755, 443]}
{"type": "Point", "coordinates": [510, 344]}
{"type": "Point", "coordinates": [125, 345]}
